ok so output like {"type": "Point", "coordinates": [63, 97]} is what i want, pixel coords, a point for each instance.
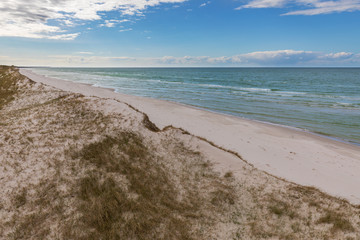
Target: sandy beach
{"type": "Point", "coordinates": [297, 156]}
{"type": "Point", "coordinates": [80, 162]}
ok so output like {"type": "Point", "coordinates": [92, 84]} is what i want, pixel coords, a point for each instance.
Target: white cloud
{"type": "Point", "coordinates": [339, 55]}
{"type": "Point", "coordinates": [308, 7]}
{"type": "Point", "coordinates": [70, 36]}
{"type": "Point", "coordinates": [85, 53]}
{"type": "Point", "coordinates": [113, 22]}
{"type": "Point", "coordinates": [205, 3]}
{"type": "Point", "coordinates": [125, 30]}
{"type": "Point", "coordinates": [264, 4]}
{"type": "Point", "coordinates": [268, 58]}
{"type": "Point", "coordinates": [280, 56]}
{"type": "Point", "coordinates": [289, 58]}
{"type": "Point", "coordinates": [50, 19]}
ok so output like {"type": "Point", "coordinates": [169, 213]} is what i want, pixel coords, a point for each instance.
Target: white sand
{"type": "Point", "coordinates": [300, 157]}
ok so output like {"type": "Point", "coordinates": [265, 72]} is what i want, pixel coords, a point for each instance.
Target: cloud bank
{"type": "Point", "coordinates": [308, 7]}
{"type": "Point", "coordinates": [52, 19]}
{"type": "Point", "coordinates": [279, 58]}
{"type": "Point", "coordinates": [270, 58]}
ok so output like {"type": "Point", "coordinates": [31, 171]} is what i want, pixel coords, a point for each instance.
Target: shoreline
{"type": "Point", "coordinates": [275, 123]}
{"type": "Point", "coordinates": [291, 153]}
{"type": "Point", "coordinates": [318, 134]}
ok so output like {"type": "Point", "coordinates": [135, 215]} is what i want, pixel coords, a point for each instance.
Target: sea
{"type": "Point", "coordinates": [324, 101]}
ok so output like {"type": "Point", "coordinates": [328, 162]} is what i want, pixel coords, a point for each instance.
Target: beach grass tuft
{"type": "Point", "coordinates": [146, 206]}
{"type": "Point", "coordinates": [281, 208]}
{"type": "Point", "coordinates": [229, 174]}
{"type": "Point", "coordinates": [150, 125]}
{"type": "Point", "coordinates": [8, 84]}
{"type": "Point", "coordinates": [20, 198]}
{"type": "Point", "coordinates": [338, 221]}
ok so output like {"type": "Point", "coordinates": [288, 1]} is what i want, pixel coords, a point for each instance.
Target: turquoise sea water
{"type": "Point", "coordinates": [320, 100]}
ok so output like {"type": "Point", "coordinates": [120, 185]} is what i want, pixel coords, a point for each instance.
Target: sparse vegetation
{"type": "Point", "coordinates": [229, 174]}
{"type": "Point", "coordinates": [77, 172]}
{"type": "Point", "coordinates": [223, 195]}
{"type": "Point", "coordinates": [339, 223]}
{"type": "Point", "coordinates": [281, 208]}
{"type": "Point", "coordinates": [8, 87]}
{"type": "Point", "coordinates": [150, 125]}
{"type": "Point", "coordinates": [141, 209]}
{"type": "Point", "coordinates": [31, 227]}
{"type": "Point", "coordinates": [20, 198]}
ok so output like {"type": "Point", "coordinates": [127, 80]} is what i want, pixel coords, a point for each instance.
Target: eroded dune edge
{"type": "Point", "coordinates": [79, 167]}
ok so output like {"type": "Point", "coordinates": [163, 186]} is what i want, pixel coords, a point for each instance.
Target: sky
{"type": "Point", "coordinates": [180, 33]}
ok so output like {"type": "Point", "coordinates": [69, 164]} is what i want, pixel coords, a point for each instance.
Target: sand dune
{"type": "Point", "coordinates": [297, 156]}
{"type": "Point", "coordinates": [95, 166]}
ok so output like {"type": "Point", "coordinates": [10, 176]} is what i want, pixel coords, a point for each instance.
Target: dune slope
{"type": "Point", "coordinates": [76, 167]}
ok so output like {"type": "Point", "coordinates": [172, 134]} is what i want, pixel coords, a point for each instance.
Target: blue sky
{"type": "Point", "coordinates": [121, 33]}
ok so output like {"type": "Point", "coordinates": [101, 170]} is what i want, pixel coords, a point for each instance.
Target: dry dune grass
{"type": "Point", "coordinates": [69, 169]}
{"type": "Point", "coordinates": [8, 87]}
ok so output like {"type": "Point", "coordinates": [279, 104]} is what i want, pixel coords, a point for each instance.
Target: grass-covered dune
{"type": "Point", "coordinates": [75, 167]}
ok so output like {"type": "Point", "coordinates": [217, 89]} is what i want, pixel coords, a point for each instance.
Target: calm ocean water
{"type": "Point", "coordinates": [320, 100]}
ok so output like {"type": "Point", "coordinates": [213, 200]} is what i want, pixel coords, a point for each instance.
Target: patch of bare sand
{"type": "Point", "coordinates": [75, 167]}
